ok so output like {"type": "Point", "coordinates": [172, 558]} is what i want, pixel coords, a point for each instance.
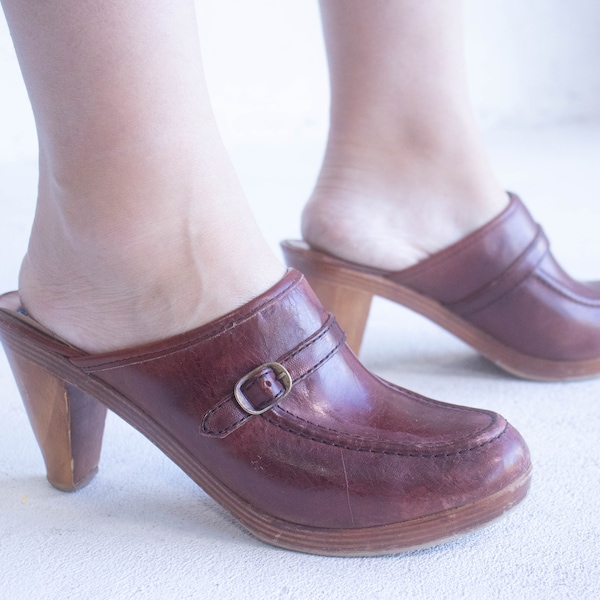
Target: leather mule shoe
{"type": "Point", "coordinates": [499, 289]}
{"type": "Point", "coordinates": [271, 413]}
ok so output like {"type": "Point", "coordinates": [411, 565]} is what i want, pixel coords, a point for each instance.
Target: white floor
{"type": "Point", "coordinates": [143, 530]}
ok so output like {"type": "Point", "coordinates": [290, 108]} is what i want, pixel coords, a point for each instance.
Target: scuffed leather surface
{"type": "Point", "coordinates": [343, 449]}
{"type": "Point", "coordinates": [300, 363]}
{"type": "Point", "coordinates": [503, 279]}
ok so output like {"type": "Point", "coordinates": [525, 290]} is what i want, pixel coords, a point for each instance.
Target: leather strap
{"type": "Point", "coordinates": [265, 386]}
{"type": "Point", "coordinates": [516, 273]}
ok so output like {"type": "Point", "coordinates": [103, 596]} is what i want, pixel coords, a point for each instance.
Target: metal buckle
{"type": "Point", "coordinates": [281, 373]}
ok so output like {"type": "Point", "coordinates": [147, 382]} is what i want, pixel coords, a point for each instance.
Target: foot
{"type": "Point", "coordinates": [103, 284]}
{"type": "Point", "coordinates": [155, 293]}
{"type": "Point", "coordinates": [369, 210]}
{"type": "Point", "coordinates": [148, 296]}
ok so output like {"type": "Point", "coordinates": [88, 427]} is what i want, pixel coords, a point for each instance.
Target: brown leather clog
{"type": "Point", "coordinates": [499, 289]}
{"type": "Point", "coordinates": [272, 414]}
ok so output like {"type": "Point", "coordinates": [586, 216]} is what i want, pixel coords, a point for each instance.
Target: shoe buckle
{"type": "Point", "coordinates": [274, 384]}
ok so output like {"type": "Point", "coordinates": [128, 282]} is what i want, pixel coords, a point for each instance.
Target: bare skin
{"type": "Point", "coordinates": [405, 172]}
{"type": "Point", "coordinates": [142, 230]}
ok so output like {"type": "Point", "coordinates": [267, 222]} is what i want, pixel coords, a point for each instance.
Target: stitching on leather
{"type": "Point", "coordinates": [321, 362]}
{"type": "Point", "coordinates": [308, 343]}
{"type": "Point", "coordinates": [388, 452]}
{"type": "Point", "coordinates": [555, 286]}
{"type": "Point", "coordinates": [303, 346]}
{"type": "Point", "coordinates": [358, 438]}
{"type": "Point", "coordinates": [230, 325]}
{"type": "Point", "coordinates": [506, 273]}
{"type": "Point", "coordinates": [246, 417]}
{"type": "Point", "coordinates": [205, 429]}
{"type": "Point", "coordinates": [298, 380]}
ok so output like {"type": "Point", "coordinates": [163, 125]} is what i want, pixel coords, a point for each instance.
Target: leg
{"type": "Point", "coordinates": [141, 230]}
{"type": "Point", "coordinates": [405, 180]}
{"type": "Point", "coordinates": [405, 172]}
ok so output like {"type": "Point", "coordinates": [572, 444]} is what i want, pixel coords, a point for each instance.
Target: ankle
{"type": "Point", "coordinates": [106, 284]}
{"type": "Point", "coordinates": [392, 209]}
{"type": "Point", "coordinates": [101, 303]}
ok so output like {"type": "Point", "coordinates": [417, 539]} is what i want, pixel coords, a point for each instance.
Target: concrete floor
{"type": "Point", "coordinates": [143, 530]}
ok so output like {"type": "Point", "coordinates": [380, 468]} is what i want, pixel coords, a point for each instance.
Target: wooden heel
{"type": "Point", "coordinates": [68, 423]}
{"type": "Point", "coordinates": [334, 287]}
{"type": "Point", "coordinates": [349, 305]}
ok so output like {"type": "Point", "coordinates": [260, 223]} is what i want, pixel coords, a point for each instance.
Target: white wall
{"type": "Point", "coordinates": [534, 61]}
{"type": "Point", "coordinates": [530, 63]}
{"type": "Point", "coordinates": [17, 131]}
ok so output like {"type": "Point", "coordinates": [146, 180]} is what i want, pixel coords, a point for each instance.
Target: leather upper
{"type": "Point", "coordinates": [338, 447]}
{"type": "Point", "coordinates": [504, 279]}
